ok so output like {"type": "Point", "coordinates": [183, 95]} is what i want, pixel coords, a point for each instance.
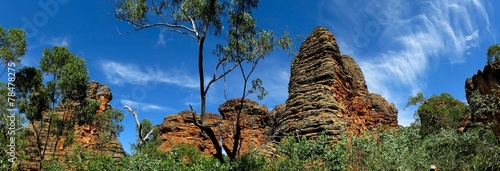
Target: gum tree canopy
{"type": "Point", "coordinates": [12, 46]}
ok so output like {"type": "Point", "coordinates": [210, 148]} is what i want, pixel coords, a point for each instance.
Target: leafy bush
{"type": "Point", "coordinates": [403, 149]}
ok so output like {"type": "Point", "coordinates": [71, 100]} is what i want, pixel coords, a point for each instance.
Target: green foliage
{"type": "Point", "coordinates": [258, 89]}
{"type": "Point", "coordinates": [31, 93]}
{"type": "Point", "coordinates": [110, 120]}
{"type": "Point", "coordinates": [7, 132]}
{"type": "Point", "coordinates": [483, 105]}
{"type": "Point", "coordinates": [493, 53]}
{"type": "Point", "coordinates": [418, 99]}
{"type": "Point", "coordinates": [440, 112]}
{"type": "Point", "coordinates": [87, 111]}
{"type": "Point", "coordinates": [74, 80]}
{"type": "Point", "coordinates": [437, 112]}
{"type": "Point", "coordinates": [12, 46]}
{"type": "Point", "coordinates": [134, 10]}
{"type": "Point", "coordinates": [403, 149]}
{"type": "Point", "coordinates": [151, 143]}
{"type": "Point", "coordinates": [69, 74]}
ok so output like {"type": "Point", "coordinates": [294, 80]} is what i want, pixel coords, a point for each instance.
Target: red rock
{"type": "Point", "coordinates": [328, 92]}
{"type": "Point", "coordinates": [252, 124]}
{"type": "Point", "coordinates": [180, 129]}
{"type": "Point", "coordinates": [86, 136]}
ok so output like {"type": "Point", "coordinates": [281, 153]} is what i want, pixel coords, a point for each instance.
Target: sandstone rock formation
{"type": "Point", "coordinates": [88, 137]}
{"type": "Point", "coordinates": [272, 121]}
{"type": "Point", "coordinates": [252, 123]}
{"type": "Point", "coordinates": [102, 93]}
{"type": "Point", "coordinates": [486, 82]}
{"type": "Point", "coordinates": [327, 92]}
{"type": "Point", "coordinates": [180, 129]}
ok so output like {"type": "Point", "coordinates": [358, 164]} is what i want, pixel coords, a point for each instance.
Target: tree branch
{"type": "Point", "coordinates": [215, 78]}
{"type": "Point", "coordinates": [138, 125]}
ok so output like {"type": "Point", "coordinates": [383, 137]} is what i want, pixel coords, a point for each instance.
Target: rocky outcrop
{"type": "Point", "coordinates": [252, 123]}
{"type": "Point", "coordinates": [180, 129]}
{"type": "Point", "coordinates": [486, 83]}
{"type": "Point", "coordinates": [328, 92]}
{"type": "Point", "coordinates": [102, 93]}
{"type": "Point", "coordinates": [61, 147]}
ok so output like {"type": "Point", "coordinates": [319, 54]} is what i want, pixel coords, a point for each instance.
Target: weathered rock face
{"type": "Point", "coordinates": [486, 82]}
{"type": "Point", "coordinates": [88, 137]}
{"type": "Point", "coordinates": [327, 92]}
{"type": "Point", "coordinates": [272, 121]}
{"type": "Point", "coordinates": [102, 93]}
{"type": "Point", "coordinates": [180, 129]}
{"type": "Point", "coordinates": [252, 123]}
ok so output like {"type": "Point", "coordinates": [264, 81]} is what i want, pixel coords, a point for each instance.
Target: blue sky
{"type": "Point", "coordinates": [403, 47]}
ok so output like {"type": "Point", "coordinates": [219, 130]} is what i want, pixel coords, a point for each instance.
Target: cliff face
{"type": "Point", "coordinates": [88, 137]}
{"type": "Point", "coordinates": [328, 92]}
{"type": "Point", "coordinates": [485, 82]}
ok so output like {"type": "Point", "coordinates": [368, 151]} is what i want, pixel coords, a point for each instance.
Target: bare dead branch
{"type": "Point", "coordinates": [139, 126]}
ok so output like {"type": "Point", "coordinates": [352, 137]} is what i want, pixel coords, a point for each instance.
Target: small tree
{"type": "Point", "coordinates": [198, 19]}
{"type": "Point", "coordinates": [145, 130]}
{"type": "Point", "coordinates": [438, 112]}
{"type": "Point", "coordinates": [67, 89]}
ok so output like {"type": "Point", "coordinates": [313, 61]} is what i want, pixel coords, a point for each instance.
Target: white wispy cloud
{"type": "Point", "coordinates": [143, 106]}
{"type": "Point", "coordinates": [162, 39]}
{"type": "Point", "coordinates": [410, 36]}
{"type": "Point", "coordinates": [64, 41]}
{"type": "Point", "coordinates": [117, 73]}
{"type": "Point", "coordinates": [276, 83]}
{"type": "Point", "coordinates": [49, 42]}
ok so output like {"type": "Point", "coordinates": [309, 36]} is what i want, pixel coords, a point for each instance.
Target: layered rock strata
{"type": "Point", "coordinates": [328, 92]}
{"type": "Point", "coordinates": [87, 137]}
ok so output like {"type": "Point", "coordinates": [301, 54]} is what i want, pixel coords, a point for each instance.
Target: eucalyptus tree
{"type": "Point", "coordinates": [201, 19]}
{"type": "Point", "coordinates": [29, 88]}
{"type": "Point", "coordinates": [66, 89]}
{"type": "Point", "coordinates": [12, 46]}
{"type": "Point", "coordinates": [438, 112]}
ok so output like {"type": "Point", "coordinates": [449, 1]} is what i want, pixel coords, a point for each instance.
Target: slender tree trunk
{"type": "Point", "coordinates": [203, 93]}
